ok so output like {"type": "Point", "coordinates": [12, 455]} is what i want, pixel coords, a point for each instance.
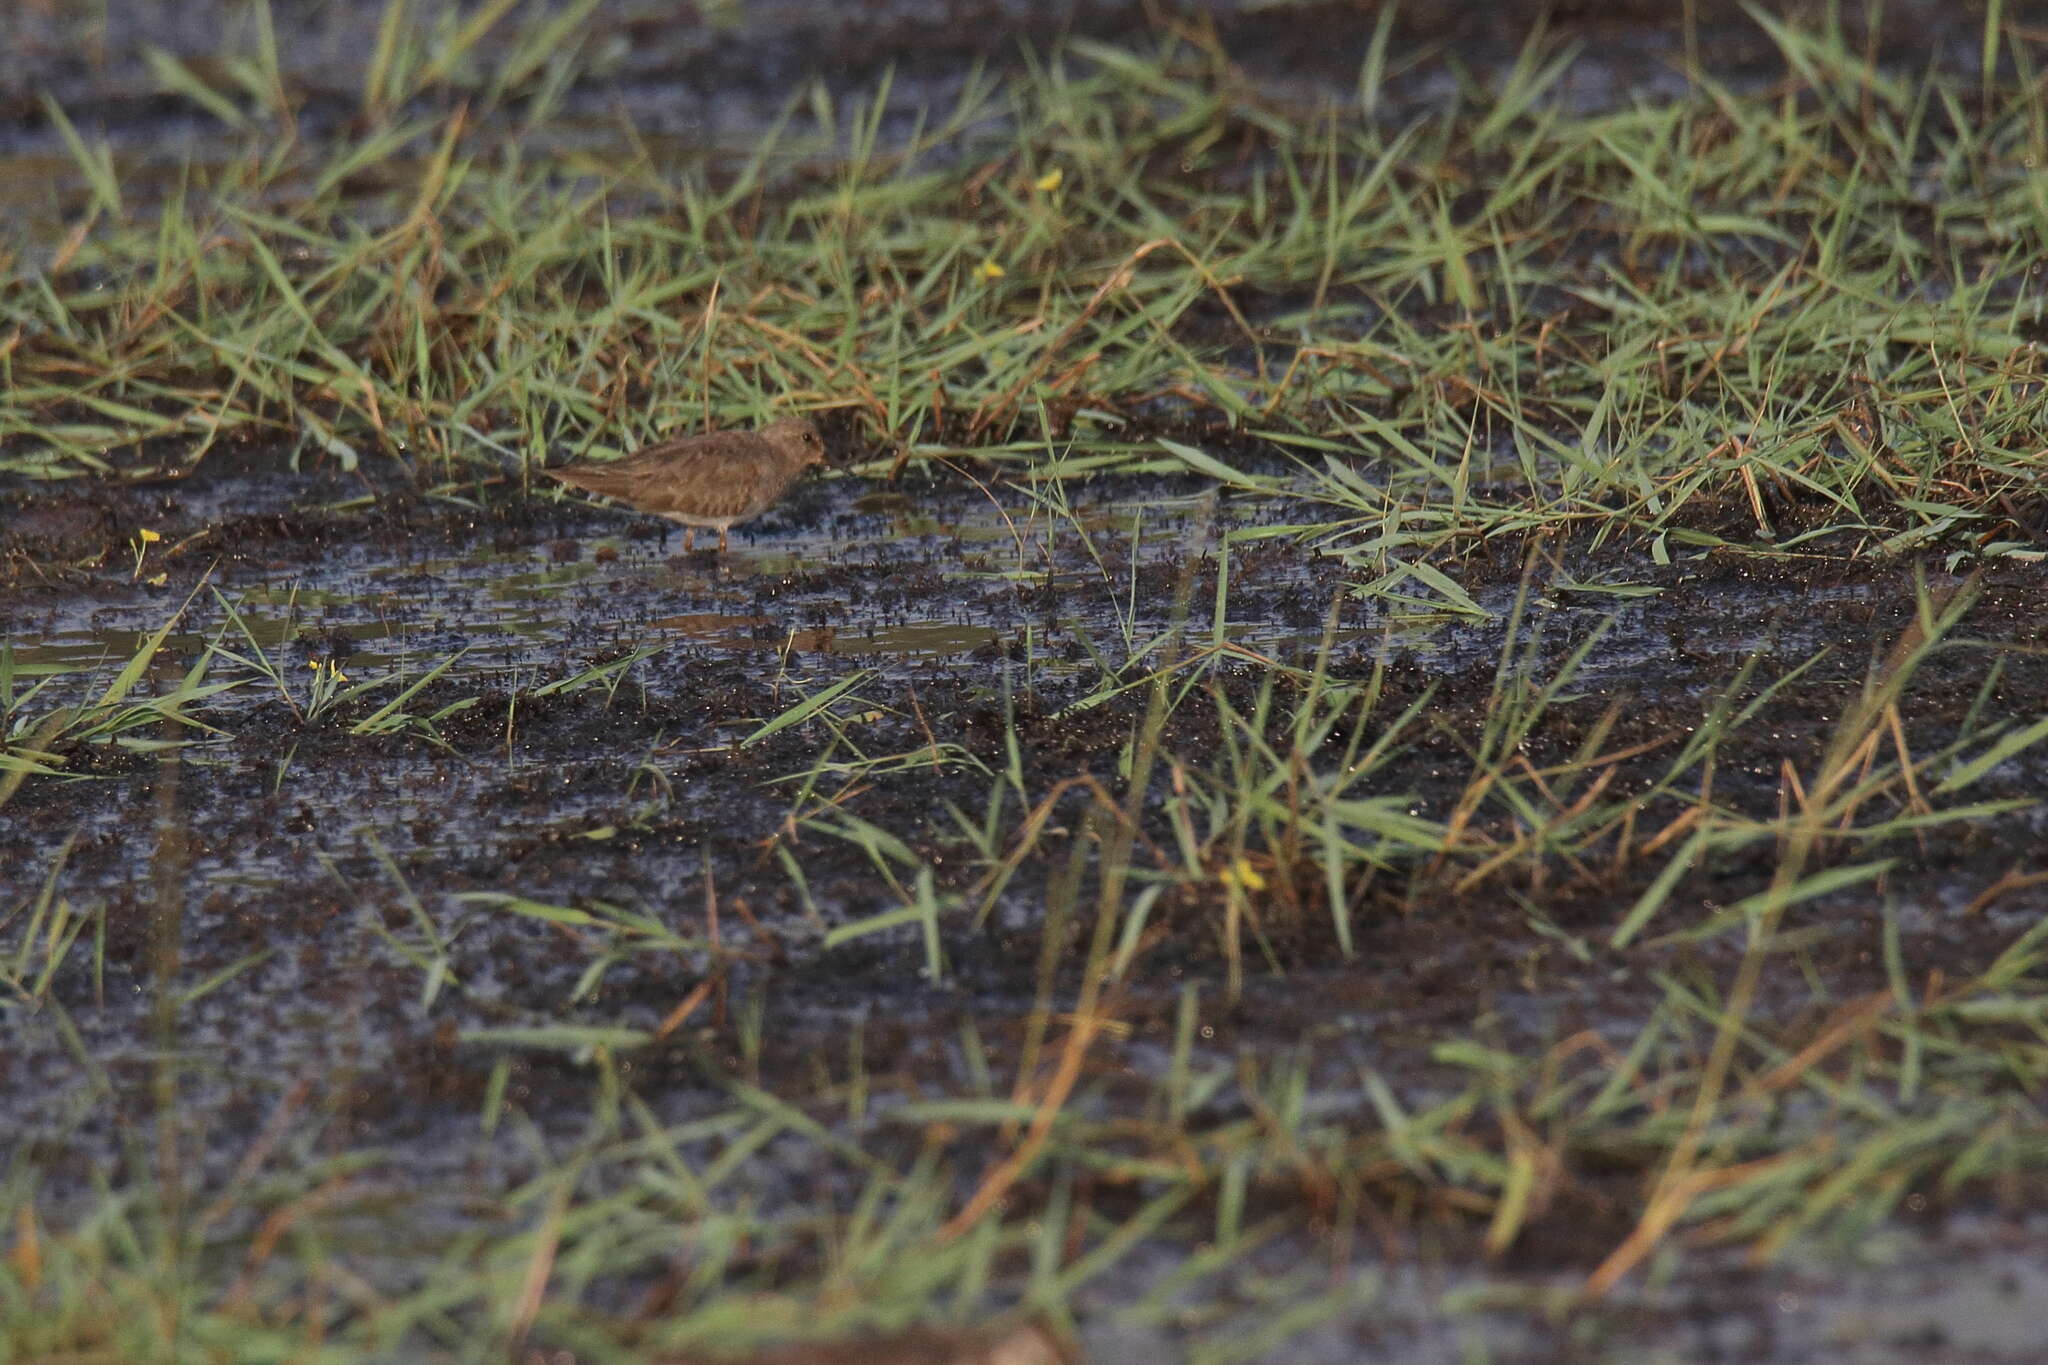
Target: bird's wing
{"type": "Point", "coordinates": [647, 470]}
{"type": "Point", "coordinates": [713, 481]}
{"type": "Point", "coordinates": [610, 480]}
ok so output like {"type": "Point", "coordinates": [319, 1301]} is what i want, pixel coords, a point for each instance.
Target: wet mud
{"type": "Point", "coordinates": [341, 892]}
{"type": "Point", "coordinates": [323, 936]}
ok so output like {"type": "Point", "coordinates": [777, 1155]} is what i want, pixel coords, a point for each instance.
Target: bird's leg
{"type": "Point", "coordinates": [721, 540]}
{"type": "Point", "coordinates": [689, 538]}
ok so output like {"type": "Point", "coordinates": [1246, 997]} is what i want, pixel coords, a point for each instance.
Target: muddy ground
{"type": "Point", "coordinates": [299, 841]}
{"type": "Point", "coordinates": [300, 880]}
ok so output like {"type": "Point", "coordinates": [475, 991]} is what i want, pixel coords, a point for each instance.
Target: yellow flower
{"type": "Point", "coordinates": [1050, 181]}
{"type": "Point", "coordinates": [157, 580]}
{"type": "Point", "coordinates": [988, 270]}
{"type": "Point", "coordinates": [313, 664]}
{"type": "Point", "coordinates": [150, 537]}
{"type": "Point", "coordinates": [1242, 873]}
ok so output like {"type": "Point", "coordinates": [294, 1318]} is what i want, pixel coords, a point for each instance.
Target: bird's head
{"type": "Point", "coordinates": [797, 440]}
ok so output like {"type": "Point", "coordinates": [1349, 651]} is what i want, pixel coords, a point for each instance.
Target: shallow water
{"type": "Point", "coordinates": [299, 882]}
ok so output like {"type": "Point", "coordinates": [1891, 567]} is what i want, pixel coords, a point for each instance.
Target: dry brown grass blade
{"type": "Point", "coordinates": [540, 1267]}
{"type": "Point", "coordinates": [999, 1182]}
{"type": "Point", "coordinates": [1853, 1020]}
{"type": "Point", "coordinates": [1683, 1180]}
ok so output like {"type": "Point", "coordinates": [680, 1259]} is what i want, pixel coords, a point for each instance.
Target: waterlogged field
{"type": "Point", "coordinates": [1410, 723]}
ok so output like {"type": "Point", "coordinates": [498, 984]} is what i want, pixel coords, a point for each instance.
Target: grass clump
{"type": "Point", "coordinates": [1802, 319]}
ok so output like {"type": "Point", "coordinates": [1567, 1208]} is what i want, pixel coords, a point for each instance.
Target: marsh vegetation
{"type": "Point", "coordinates": [1410, 719]}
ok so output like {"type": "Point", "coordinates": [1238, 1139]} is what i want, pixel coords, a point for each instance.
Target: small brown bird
{"type": "Point", "coordinates": [717, 479]}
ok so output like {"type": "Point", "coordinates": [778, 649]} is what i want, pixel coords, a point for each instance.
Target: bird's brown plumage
{"type": "Point", "coordinates": [717, 479]}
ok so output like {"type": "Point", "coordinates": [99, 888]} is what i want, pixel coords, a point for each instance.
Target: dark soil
{"type": "Point", "coordinates": [310, 845]}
